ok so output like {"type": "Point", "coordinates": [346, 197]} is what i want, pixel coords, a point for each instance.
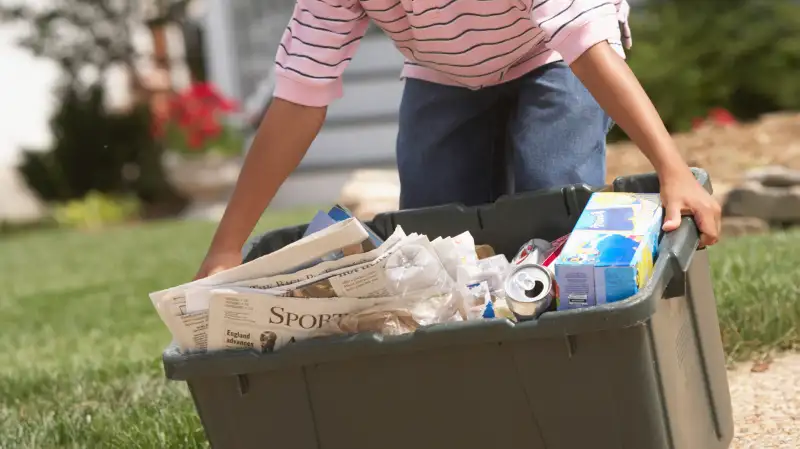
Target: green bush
{"type": "Point", "coordinates": [95, 211]}
{"type": "Point", "coordinates": [692, 56]}
{"type": "Point", "coordinates": [94, 150]}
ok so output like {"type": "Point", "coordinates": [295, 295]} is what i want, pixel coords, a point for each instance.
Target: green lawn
{"type": "Point", "coordinates": [80, 345]}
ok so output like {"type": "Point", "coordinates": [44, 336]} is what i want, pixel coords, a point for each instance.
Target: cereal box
{"type": "Point", "coordinates": [609, 255]}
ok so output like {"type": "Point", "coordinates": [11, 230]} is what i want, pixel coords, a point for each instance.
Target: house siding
{"type": "Point", "coordinates": [361, 127]}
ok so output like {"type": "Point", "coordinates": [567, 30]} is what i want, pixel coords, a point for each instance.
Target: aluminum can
{"type": "Point", "coordinates": [530, 290]}
{"type": "Point", "coordinates": [533, 251]}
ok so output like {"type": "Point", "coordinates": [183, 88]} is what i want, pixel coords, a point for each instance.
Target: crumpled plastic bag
{"type": "Point", "coordinates": [426, 295]}
{"type": "Point", "coordinates": [397, 318]}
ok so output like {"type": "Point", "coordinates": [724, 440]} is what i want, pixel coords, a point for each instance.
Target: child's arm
{"type": "Point", "coordinates": [616, 88]}
{"type": "Point", "coordinates": [318, 43]}
{"type": "Point", "coordinates": [587, 34]}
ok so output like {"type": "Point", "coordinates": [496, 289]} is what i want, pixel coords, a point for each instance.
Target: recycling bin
{"type": "Point", "coordinates": [644, 373]}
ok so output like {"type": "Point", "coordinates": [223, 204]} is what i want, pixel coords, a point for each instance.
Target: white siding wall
{"type": "Point", "coordinates": [361, 128]}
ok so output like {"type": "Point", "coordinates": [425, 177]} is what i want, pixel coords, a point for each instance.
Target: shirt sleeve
{"type": "Point", "coordinates": [319, 42]}
{"type": "Point", "coordinates": [573, 26]}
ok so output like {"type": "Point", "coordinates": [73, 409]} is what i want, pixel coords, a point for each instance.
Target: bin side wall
{"type": "Point", "coordinates": [700, 294]}
{"type": "Point", "coordinates": [464, 397]}
{"type": "Point", "coordinates": [249, 411]}
{"type": "Point", "coordinates": [691, 364]}
{"type": "Point", "coordinates": [594, 390]}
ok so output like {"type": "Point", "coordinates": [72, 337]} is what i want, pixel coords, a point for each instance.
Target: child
{"type": "Point", "coordinates": [546, 76]}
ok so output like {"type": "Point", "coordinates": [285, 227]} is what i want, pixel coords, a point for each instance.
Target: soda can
{"type": "Point", "coordinates": [533, 251]}
{"type": "Point", "coordinates": [530, 290]}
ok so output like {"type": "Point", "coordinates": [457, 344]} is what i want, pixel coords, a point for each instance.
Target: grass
{"type": "Point", "coordinates": [757, 285]}
{"type": "Point", "coordinates": [80, 344]}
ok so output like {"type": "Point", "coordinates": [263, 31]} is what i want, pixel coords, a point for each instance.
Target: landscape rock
{"type": "Point", "coordinates": [773, 204]}
{"type": "Point", "coordinates": [740, 226]}
{"type": "Point", "coordinates": [370, 192]}
{"type": "Point", "coordinates": [773, 176]}
{"type": "Point", "coordinates": [721, 191]}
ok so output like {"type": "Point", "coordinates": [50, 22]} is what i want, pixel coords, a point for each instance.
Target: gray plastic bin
{"type": "Point", "coordinates": [644, 373]}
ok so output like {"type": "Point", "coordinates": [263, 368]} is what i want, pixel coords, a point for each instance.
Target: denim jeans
{"type": "Point", "coordinates": [457, 145]}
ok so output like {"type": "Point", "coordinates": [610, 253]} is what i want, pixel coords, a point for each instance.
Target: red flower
{"type": "Point", "coordinates": [207, 94]}
{"type": "Point", "coordinates": [195, 114]}
{"type": "Point", "coordinates": [228, 105]}
{"type": "Point", "coordinates": [201, 90]}
{"type": "Point", "coordinates": [210, 128]}
{"type": "Point", "coordinates": [722, 117]}
{"type": "Point", "coordinates": [195, 141]}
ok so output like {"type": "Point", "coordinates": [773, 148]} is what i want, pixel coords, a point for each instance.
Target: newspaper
{"type": "Point", "coordinates": [187, 324]}
{"type": "Point", "coordinates": [400, 268]}
{"type": "Point", "coordinates": [410, 264]}
{"type": "Point", "coordinates": [311, 285]}
{"type": "Point", "coordinates": [190, 330]}
{"type": "Point", "coordinates": [329, 268]}
{"type": "Point", "coordinates": [245, 318]}
{"type": "Point", "coordinates": [252, 319]}
{"type": "Point", "coordinates": [197, 297]}
{"type": "Point", "coordinates": [188, 308]}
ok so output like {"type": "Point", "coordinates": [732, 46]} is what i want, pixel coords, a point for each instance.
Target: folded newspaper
{"type": "Point", "coordinates": [306, 288]}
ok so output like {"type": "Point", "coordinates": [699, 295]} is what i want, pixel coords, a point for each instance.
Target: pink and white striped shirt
{"type": "Point", "coordinates": [470, 43]}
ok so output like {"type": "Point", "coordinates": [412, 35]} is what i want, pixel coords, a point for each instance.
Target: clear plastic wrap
{"type": "Point", "coordinates": [426, 295]}
{"type": "Point", "coordinates": [400, 317]}
{"type": "Point", "coordinates": [491, 270]}
{"type": "Point", "coordinates": [476, 297]}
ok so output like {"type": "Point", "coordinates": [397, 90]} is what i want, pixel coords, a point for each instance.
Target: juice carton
{"type": "Point", "coordinates": [610, 253]}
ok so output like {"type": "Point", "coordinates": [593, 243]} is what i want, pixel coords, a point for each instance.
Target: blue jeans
{"type": "Point", "coordinates": [457, 145]}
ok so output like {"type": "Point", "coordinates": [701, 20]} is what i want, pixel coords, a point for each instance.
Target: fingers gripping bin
{"type": "Point", "coordinates": [644, 373]}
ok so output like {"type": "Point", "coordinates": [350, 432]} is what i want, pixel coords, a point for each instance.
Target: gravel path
{"type": "Point", "coordinates": [766, 405]}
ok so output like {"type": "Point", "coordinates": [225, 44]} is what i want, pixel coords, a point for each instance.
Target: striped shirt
{"type": "Point", "coordinates": [470, 43]}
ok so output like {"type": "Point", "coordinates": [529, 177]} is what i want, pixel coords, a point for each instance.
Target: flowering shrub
{"type": "Point", "coordinates": [717, 117]}
{"type": "Point", "coordinates": [191, 122]}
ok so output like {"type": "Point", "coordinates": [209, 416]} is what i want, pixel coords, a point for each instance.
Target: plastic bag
{"type": "Point", "coordinates": [477, 297]}
{"type": "Point", "coordinates": [491, 270]}
{"type": "Point", "coordinates": [414, 267]}
{"type": "Point", "coordinates": [401, 317]}
{"type": "Point", "coordinates": [426, 293]}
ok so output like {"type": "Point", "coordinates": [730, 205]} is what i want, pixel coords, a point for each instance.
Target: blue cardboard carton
{"type": "Point", "coordinates": [610, 254]}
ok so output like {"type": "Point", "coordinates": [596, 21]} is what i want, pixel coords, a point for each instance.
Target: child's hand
{"type": "Point", "coordinates": [218, 261]}
{"type": "Point", "coordinates": [615, 87]}
{"type": "Point", "coordinates": [682, 194]}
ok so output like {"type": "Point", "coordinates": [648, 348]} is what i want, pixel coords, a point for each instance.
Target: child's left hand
{"type": "Point", "coordinates": [683, 195]}
{"type": "Point", "coordinates": [616, 89]}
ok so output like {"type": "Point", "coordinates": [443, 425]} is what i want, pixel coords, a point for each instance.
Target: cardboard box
{"type": "Point", "coordinates": [610, 254]}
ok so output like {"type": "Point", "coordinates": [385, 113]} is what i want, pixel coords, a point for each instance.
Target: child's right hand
{"type": "Point", "coordinates": [279, 145]}
{"type": "Point", "coordinates": [215, 262]}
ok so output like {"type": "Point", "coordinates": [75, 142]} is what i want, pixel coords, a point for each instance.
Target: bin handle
{"type": "Point", "coordinates": [682, 243]}
{"type": "Point", "coordinates": [680, 246]}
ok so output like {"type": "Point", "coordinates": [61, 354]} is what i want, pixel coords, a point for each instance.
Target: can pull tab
{"type": "Point", "coordinates": [533, 287]}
